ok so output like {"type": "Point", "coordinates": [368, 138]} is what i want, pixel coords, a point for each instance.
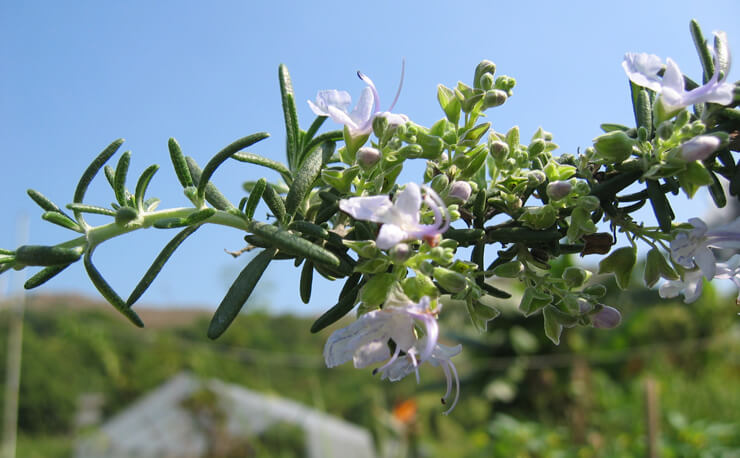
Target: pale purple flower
{"type": "Point", "coordinates": [365, 341]}
{"type": "Point", "coordinates": [401, 219]}
{"type": "Point", "coordinates": [694, 247]}
{"type": "Point", "coordinates": [690, 286]}
{"type": "Point", "coordinates": [730, 271]}
{"type": "Point", "coordinates": [460, 191]}
{"type": "Point", "coordinates": [441, 356]}
{"type": "Point", "coordinates": [700, 148]}
{"type": "Point", "coordinates": [642, 69]}
{"type": "Point", "coordinates": [335, 104]}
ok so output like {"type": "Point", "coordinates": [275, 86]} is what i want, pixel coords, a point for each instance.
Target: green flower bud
{"type": "Point", "coordinates": [400, 253]}
{"type": "Point", "coordinates": [450, 280]}
{"type": "Point", "coordinates": [499, 150]}
{"type": "Point", "coordinates": [494, 98]}
{"type": "Point", "coordinates": [536, 147]}
{"type": "Point", "coordinates": [597, 290]}
{"type": "Point", "coordinates": [510, 269]}
{"type": "Point", "coordinates": [439, 183]}
{"type": "Point", "coordinates": [485, 67]}
{"type": "Point", "coordinates": [575, 277]}
{"type": "Point", "coordinates": [486, 81]}
{"type": "Point", "coordinates": [538, 217]}
{"type": "Point", "coordinates": [506, 84]}
{"type": "Point", "coordinates": [535, 178]}
{"type": "Point", "coordinates": [665, 130]}
{"type": "Point", "coordinates": [588, 203]}
{"type": "Point", "coordinates": [614, 147]}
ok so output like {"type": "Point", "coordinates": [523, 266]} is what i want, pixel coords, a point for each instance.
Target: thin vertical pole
{"type": "Point", "coordinates": [652, 417]}
{"type": "Point", "coordinates": [15, 348]}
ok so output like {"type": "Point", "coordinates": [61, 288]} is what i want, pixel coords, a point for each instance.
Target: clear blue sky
{"type": "Point", "coordinates": [77, 75]}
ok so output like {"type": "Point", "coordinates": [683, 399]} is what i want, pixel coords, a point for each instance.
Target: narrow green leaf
{"type": "Point", "coordinates": [305, 178]}
{"type": "Point", "coordinates": [254, 198]}
{"type": "Point", "coordinates": [264, 162]}
{"type": "Point", "coordinates": [170, 223]}
{"type": "Point", "coordinates": [61, 220]}
{"type": "Point", "coordinates": [42, 255]}
{"type": "Point", "coordinates": [200, 216]}
{"type": "Point", "coordinates": [224, 154]}
{"type": "Point", "coordinates": [239, 292]}
{"type": "Point", "coordinates": [180, 165]}
{"type": "Point", "coordinates": [661, 205]}
{"type": "Point", "coordinates": [143, 184]}
{"type": "Point", "coordinates": [90, 173]}
{"type": "Point", "coordinates": [347, 298]}
{"type": "Point", "coordinates": [274, 202]}
{"type": "Point", "coordinates": [159, 263]}
{"type": "Point", "coordinates": [290, 115]}
{"type": "Point", "coordinates": [331, 136]}
{"type": "Point", "coordinates": [47, 204]}
{"type": "Point", "coordinates": [84, 208]}
{"type": "Point", "coordinates": [643, 108]}
{"type": "Point", "coordinates": [212, 194]}
{"type": "Point", "coordinates": [110, 175]}
{"type": "Point", "coordinates": [306, 281]}
{"type": "Point", "coordinates": [294, 244]}
{"type": "Point", "coordinates": [315, 125]}
{"type": "Point", "coordinates": [717, 191]}
{"type": "Point", "coordinates": [44, 275]}
{"type": "Point", "coordinates": [705, 55]}
{"type": "Point", "coordinates": [309, 229]}
{"type": "Point", "coordinates": [119, 179]}
{"type": "Point", "coordinates": [107, 292]}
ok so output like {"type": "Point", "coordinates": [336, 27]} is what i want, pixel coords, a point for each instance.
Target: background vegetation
{"type": "Point", "coordinates": [521, 396]}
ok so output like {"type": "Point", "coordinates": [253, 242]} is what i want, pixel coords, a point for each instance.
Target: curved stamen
{"type": "Point", "coordinates": [415, 365]}
{"type": "Point", "coordinates": [457, 384]}
{"type": "Point", "coordinates": [376, 96]}
{"type": "Point", "coordinates": [400, 84]}
{"type": "Point", "coordinates": [390, 361]}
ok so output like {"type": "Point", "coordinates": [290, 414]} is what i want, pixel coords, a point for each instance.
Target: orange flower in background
{"type": "Point", "coordinates": [405, 411]}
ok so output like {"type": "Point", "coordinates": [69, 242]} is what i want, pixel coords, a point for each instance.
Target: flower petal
{"type": "Point", "coordinates": [367, 208]}
{"type": "Point", "coordinates": [408, 202]}
{"type": "Point", "coordinates": [389, 236]}
{"type": "Point", "coordinates": [642, 69]}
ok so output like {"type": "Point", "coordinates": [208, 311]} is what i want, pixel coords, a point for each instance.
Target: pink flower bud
{"type": "Point", "coordinates": [556, 190]}
{"type": "Point", "coordinates": [700, 148]}
{"type": "Point", "coordinates": [368, 157]}
{"type": "Point", "coordinates": [460, 191]}
{"type": "Point", "coordinates": [606, 318]}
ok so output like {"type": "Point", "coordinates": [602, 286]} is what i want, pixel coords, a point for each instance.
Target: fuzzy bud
{"type": "Point", "coordinates": [368, 157]}
{"type": "Point", "coordinates": [556, 190]}
{"type": "Point", "coordinates": [400, 253]}
{"type": "Point", "coordinates": [606, 318]}
{"type": "Point", "coordinates": [700, 148]}
{"type": "Point", "coordinates": [460, 191]}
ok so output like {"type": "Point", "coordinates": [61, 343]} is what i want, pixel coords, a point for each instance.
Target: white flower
{"type": "Point", "coordinates": [335, 104]}
{"type": "Point", "coordinates": [441, 356]}
{"type": "Point", "coordinates": [642, 69]}
{"type": "Point", "coordinates": [690, 286]}
{"type": "Point", "coordinates": [401, 220]}
{"type": "Point", "coordinates": [694, 247]}
{"type": "Point", "coordinates": [365, 341]}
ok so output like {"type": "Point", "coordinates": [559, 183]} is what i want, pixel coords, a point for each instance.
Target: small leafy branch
{"type": "Point", "coordinates": [339, 211]}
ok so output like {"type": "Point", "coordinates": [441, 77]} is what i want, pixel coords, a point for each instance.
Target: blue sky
{"type": "Point", "coordinates": [77, 75]}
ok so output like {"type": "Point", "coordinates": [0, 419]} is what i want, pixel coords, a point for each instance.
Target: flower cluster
{"type": "Point", "coordinates": [693, 250]}
{"type": "Point", "coordinates": [644, 70]}
{"type": "Point", "coordinates": [368, 340]}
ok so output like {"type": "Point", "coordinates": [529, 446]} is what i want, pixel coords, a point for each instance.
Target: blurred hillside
{"type": "Point", "coordinates": [520, 395]}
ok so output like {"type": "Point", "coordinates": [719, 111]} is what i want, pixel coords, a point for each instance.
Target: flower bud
{"type": "Point", "coordinates": [558, 189]}
{"type": "Point", "coordinates": [367, 157]}
{"type": "Point", "coordinates": [665, 130]}
{"type": "Point", "coordinates": [606, 318]}
{"type": "Point", "coordinates": [450, 280]}
{"type": "Point", "coordinates": [505, 83]}
{"type": "Point", "coordinates": [460, 191]}
{"type": "Point", "coordinates": [584, 306]}
{"type": "Point", "coordinates": [499, 150]}
{"type": "Point", "coordinates": [400, 253]}
{"type": "Point", "coordinates": [494, 98]}
{"type": "Point", "coordinates": [614, 147]}
{"type": "Point", "coordinates": [486, 81]}
{"type": "Point", "coordinates": [575, 276]}
{"type": "Point", "coordinates": [535, 178]}
{"type": "Point", "coordinates": [483, 68]}
{"type": "Point", "coordinates": [700, 148]}
{"type": "Point", "coordinates": [439, 183]}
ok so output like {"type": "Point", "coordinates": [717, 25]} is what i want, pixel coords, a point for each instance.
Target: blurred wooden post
{"type": "Point", "coordinates": [15, 347]}
{"type": "Point", "coordinates": [652, 417]}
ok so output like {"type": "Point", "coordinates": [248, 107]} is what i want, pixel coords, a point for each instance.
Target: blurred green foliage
{"type": "Point", "coordinates": [521, 396]}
